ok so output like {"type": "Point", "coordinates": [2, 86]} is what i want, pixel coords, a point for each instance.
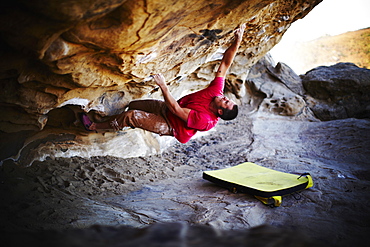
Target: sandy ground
{"type": "Point", "coordinates": [78, 193]}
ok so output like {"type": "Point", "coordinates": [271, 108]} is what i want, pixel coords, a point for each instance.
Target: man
{"type": "Point", "coordinates": [199, 111]}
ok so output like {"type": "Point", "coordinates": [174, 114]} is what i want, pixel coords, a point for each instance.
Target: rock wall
{"type": "Point", "coordinates": [63, 57]}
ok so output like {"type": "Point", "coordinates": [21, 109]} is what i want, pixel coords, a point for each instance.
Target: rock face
{"type": "Point", "coordinates": [62, 57]}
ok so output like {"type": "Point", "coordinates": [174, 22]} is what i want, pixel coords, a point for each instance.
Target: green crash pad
{"type": "Point", "coordinates": [265, 184]}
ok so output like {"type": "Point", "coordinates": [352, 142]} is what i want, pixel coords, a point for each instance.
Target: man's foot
{"type": "Point", "coordinates": [85, 120]}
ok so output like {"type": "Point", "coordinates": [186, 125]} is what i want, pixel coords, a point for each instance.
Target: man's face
{"type": "Point", "coordinates": [224, 102]}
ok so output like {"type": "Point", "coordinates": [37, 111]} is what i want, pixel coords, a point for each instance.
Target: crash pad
{"type": "Point", "coordinates": [265, 184]}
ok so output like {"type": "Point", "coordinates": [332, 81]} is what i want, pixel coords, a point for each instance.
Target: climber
{"type": "Point", "coordinates": [199, 111]}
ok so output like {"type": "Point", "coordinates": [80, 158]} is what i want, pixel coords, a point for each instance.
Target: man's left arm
{"type": "Point", "coordinates": [172, 104]}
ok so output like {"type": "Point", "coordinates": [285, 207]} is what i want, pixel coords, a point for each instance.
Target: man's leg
{"type": "Point", "coordinates": [146, 121]}
{"type": "Point", "coordinates": [150, 105]}
{"type": "Point", "coordinates": [157, 107]}
{"type": "Point", "coordinates": [145, 114]}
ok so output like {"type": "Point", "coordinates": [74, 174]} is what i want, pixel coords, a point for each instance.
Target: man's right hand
{"type": "Point", "coordinates": [171, 103]}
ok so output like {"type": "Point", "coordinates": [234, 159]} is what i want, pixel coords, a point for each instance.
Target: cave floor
{"type": "Point", "coordinates": [68, 193]}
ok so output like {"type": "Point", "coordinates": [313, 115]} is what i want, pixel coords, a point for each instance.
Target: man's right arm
{"type": "Point", "coordinates": [172, 104]}
{"type": "Point", "coordinates": [230, 52]}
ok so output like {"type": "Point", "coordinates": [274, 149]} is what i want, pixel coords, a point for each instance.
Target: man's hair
{"type": "Point", "coordinates": [228, 114]}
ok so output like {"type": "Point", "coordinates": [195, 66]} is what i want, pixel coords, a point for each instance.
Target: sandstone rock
{"type": "Point", "coordinates": [338, 91]}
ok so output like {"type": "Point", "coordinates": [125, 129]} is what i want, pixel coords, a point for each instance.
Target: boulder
{"type": "Point", "coordinates": [339, 91]}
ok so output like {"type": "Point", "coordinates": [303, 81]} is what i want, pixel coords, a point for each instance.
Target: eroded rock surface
{"type": "Point", "coordinates": [62, 57]}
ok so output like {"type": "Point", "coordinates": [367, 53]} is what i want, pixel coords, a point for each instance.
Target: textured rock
{"type": "Point", "coordinates": [277, 90]}
{"type": "Point", "coordinates": [338, 91]}
{"type": "Point", "coordinates": [62, 57]}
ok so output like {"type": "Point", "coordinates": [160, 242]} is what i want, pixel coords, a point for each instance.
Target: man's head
{"type": "Point", "coordinates": [226, 109]}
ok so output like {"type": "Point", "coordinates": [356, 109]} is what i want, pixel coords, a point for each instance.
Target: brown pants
{"type": "Point", "coordinates": [150, 115]}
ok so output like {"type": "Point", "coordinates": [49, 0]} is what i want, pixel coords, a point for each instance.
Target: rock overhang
{"type": "Point", "coordinates": [63, 57]}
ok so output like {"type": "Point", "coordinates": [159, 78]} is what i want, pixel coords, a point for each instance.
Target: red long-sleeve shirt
{"type": "Point", "coordinates": [200, 117]}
